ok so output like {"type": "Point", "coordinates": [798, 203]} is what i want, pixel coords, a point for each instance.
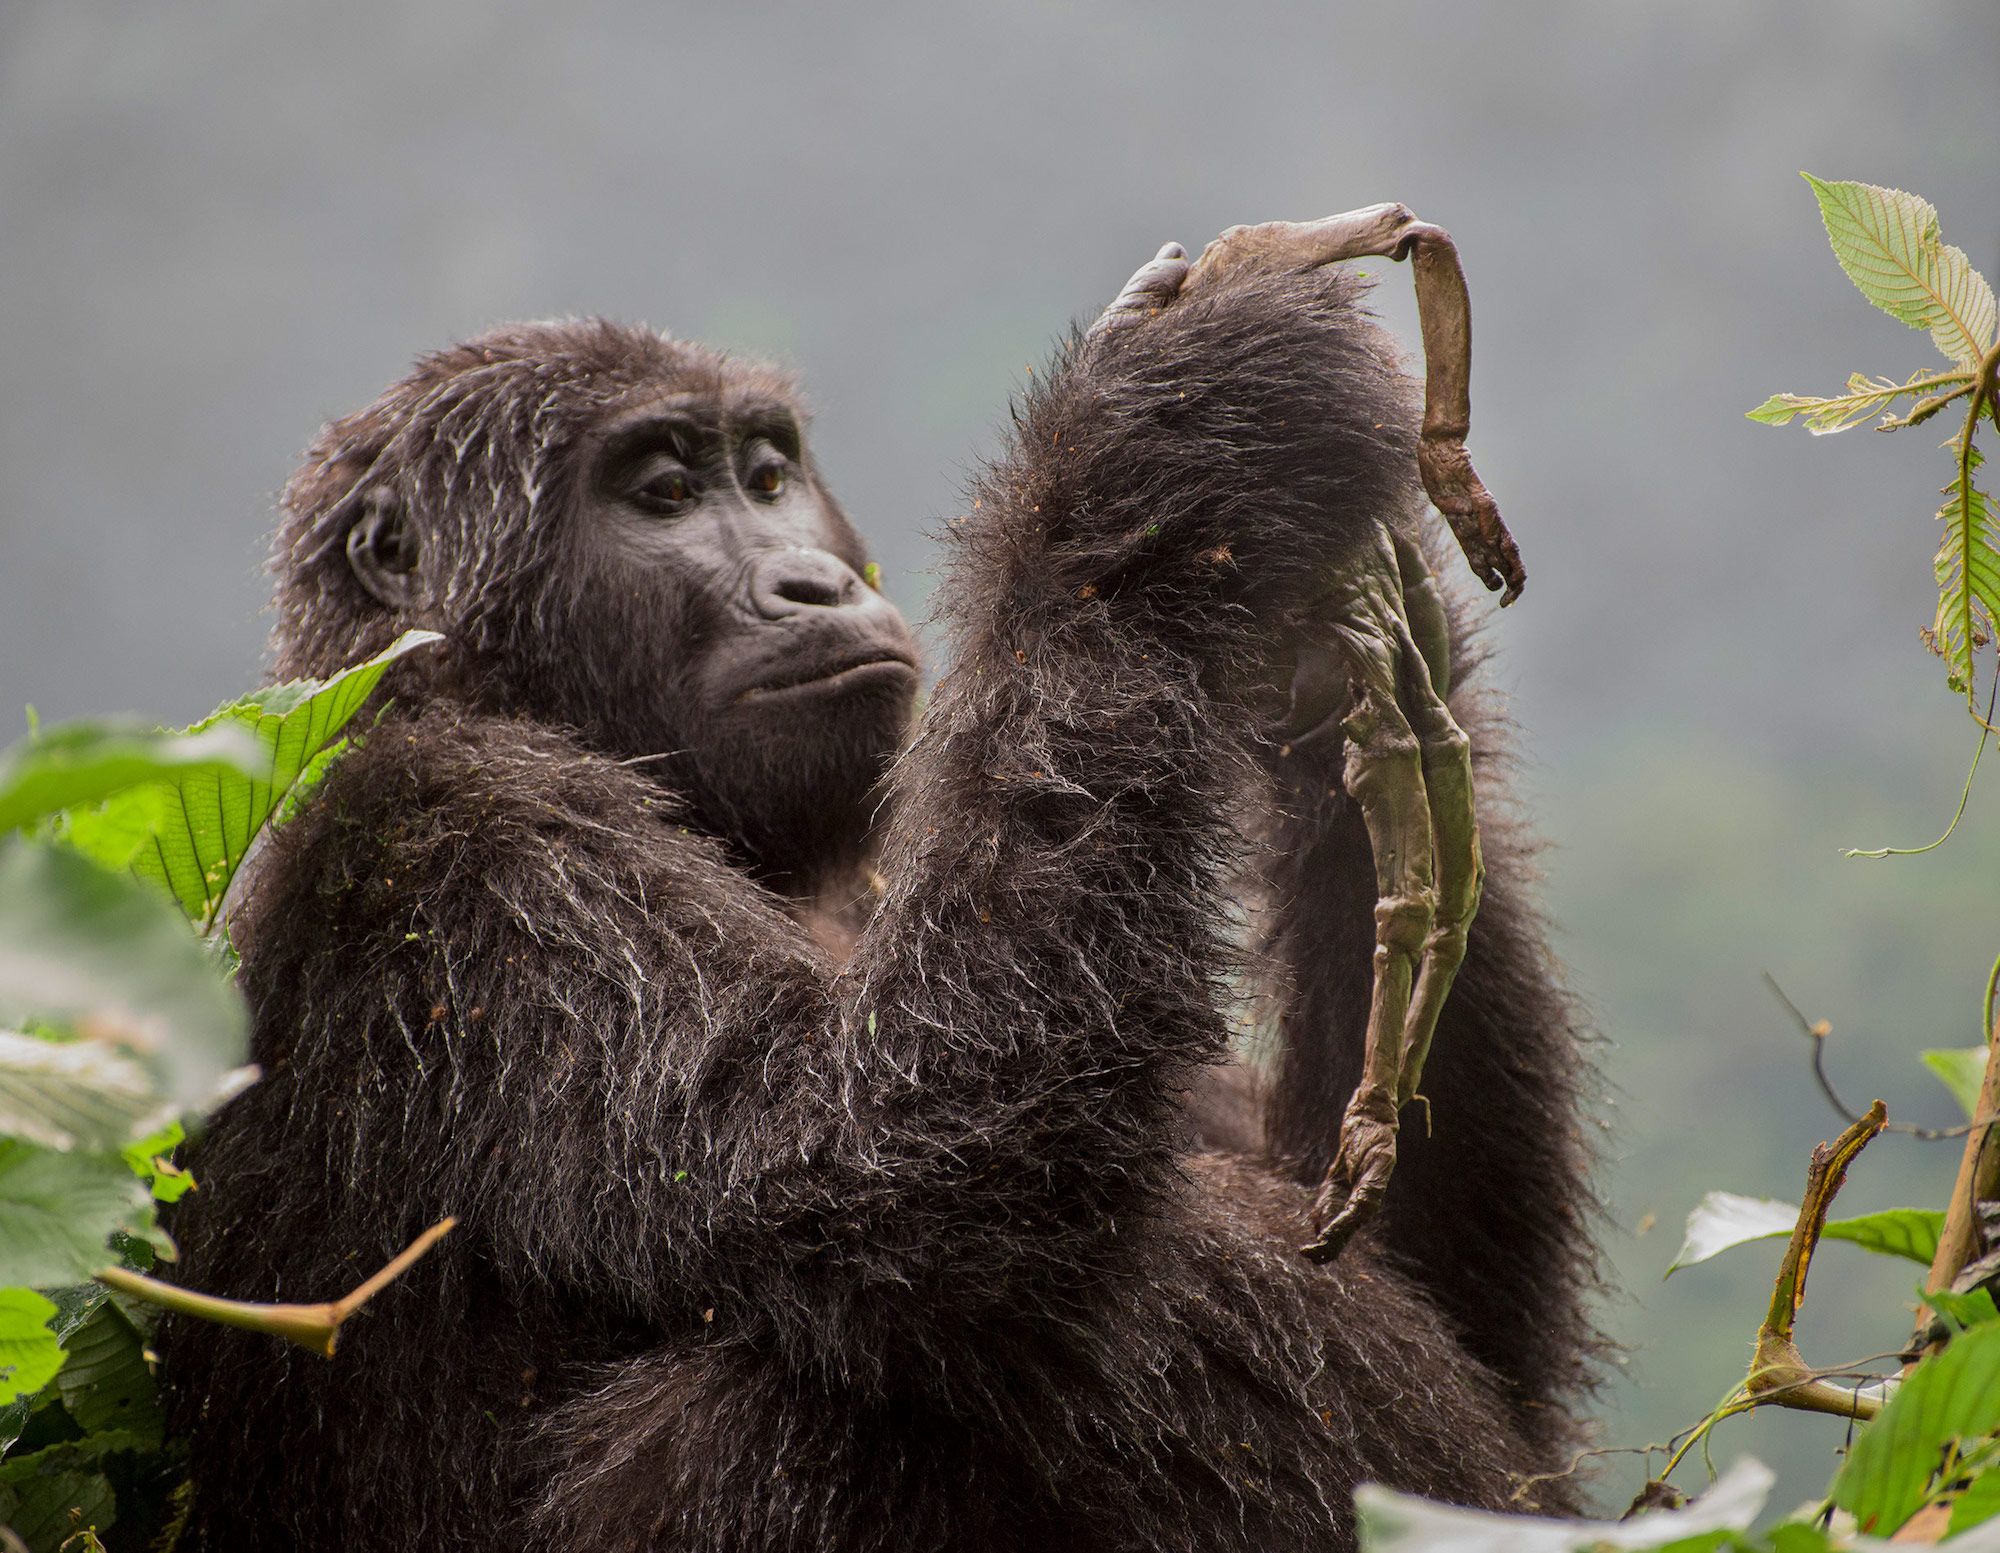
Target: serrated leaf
{"type": "Point", "coordinates": [192, 832]}
{"type": "Point", "coordinates": [107, 1385]}
{"type": "Point", "coordinates": [1887, 242]}
{"type": "Point", "coordinates": [30, 1353]}
{"type": "Point", "coordinates": [1725, 1219]}
{"type": "Point", "coordinates": [1966, 306]}
{"type": "Point", "coordinates": [103, 956]}
{"type": "Point", "coordinates": [1392, 1522]}
{"type": "Point", "coordinates": [1865, 396]}
{"type": "Point", "coordinates": [1968, 575]}
{"type": "Point", "coordinates": [1950, 1396]}
{"type": "Point", "coordinates": [1961, 1072]}
{"type": "Point", "coordinates": [57, 1211]}
{"type": "Point", "coordinates": [85, 763]}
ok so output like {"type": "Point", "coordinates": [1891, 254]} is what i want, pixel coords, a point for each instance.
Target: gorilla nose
{"type": "Point", "coordinates": [789, 581]}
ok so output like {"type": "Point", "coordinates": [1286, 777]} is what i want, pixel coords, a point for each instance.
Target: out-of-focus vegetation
{"type": "Point", "coordinates": [120, 1025]}
{"type": "Point", "coordinates": [1920, 1412]}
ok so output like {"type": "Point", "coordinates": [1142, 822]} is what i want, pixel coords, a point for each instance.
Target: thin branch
{"type": "Point", "coordinates": [1978, 1174]}
{"type": "Point", "coordinates": [1819, 1030]}
{"type": "Point", "coordinates": [1964, 796]}
{"type": "Point", "coordinates": [310, 1326]}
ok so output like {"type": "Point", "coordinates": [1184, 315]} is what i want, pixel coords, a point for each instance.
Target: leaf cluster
{"type": "Point", "coordinates": [119, 1023]}
{"type": "Point", "coordinates": [1888, 243]}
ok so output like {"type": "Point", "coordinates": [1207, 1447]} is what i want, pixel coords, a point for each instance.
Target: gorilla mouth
{"type": "Point", "coordinates": [848, 671]}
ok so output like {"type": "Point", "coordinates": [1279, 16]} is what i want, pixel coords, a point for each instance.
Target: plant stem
{"type": "Point", "coordinates": [1978, 1174]}
{"type": "Point", "coordinates": [310, 1326]}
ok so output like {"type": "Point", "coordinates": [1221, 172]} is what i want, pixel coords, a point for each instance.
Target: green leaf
{"type": "Point", "coordinates": [1724, 1219]}
{"type": "Point", "coordinates": [85, 763]}
{"type": "Point", "coordinates": [107, 1385]}
{"type": "Point", "coordinates": [1968, 575]}
{"type": "Point", "coordinates": [101, 954]}
{"type": "Point", "coordinates": [75, 1094]}
{"type": "Point", "coordinates": [1966, 308]}
{"type": "Point", "coordinates": [1972, 1309]}
{"type": "Point", "coordinates": [1865, 396]}
{"type": "Point", "coordinates": [1911, 1233]}
{"type": "Point", "coordinates": [57, 1211]}
{"type": "Point", "coordinates": [1950, 1396]}
{"type": "Point", "coordinates": [192, 832]}
{"type": "Point", "coordinates": [30, 1353]}
{"type": "Point", "coordinates": [73, 1307]}
{"type": "Point", "coordinates": [150, 1159]}
{"type": "Point", "coordinates": [56, 1506]}
{"type": "Point", "coordinates": [1392, 1522]}
{"type": "Point", "coordinates": [1887, 242]}
{"type": "Point", "coordinates": [1978, 1504]}
{"type": "Point", "coordinates": [1961, 1072]}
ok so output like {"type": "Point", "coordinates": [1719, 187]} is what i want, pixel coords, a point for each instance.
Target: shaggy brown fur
{"type": "Point", "coordinates": [763, 1251]}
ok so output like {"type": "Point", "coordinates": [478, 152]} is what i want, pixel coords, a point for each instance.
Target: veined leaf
{"type": "Point", "coordinates": [1961, 1072]}
{"type": "Point", "coordinates": [192, 831]}
{"type": "Point", "coordinates": [106, 1384]}
{"type": "Point", "coordinates": [61, 1512]}
{"type": "Point", "coordinates": [1966, 308]}
{"type": "Point", "coordinates": [1887, 242]}
{"type": "Point", "coordinates": [85, 763]}
{"type": "Point", "coordinates": [76, 1094]}
{"type": "Point", "coordinates": [57, 1212]}
{"type": "Point", "coordinates": [30, 1354]}
{"type": "Point", "coordinates": [1953, 1395]}
{"type": "Point", "coordinates": [1968, 575]}
{"type": "Point", "coordinates": [102, 955]}
{"type": "Point", "coordinates": [1725, 1219]}
{"type": "Point", "coordinates": [73, 1307]}
{"type": "Point", "coordinates": [1865, 396]}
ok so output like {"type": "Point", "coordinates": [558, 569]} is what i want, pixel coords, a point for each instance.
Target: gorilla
{"type": "Point", "coordinates": [870, 1131]}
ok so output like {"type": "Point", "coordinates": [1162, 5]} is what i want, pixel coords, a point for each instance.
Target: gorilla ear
{"type": "Point", "coordinates": [382, 549]}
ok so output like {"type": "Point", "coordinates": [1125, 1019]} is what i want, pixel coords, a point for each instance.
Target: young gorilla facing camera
{"type": "Point", "coordinates": [845, 1142]}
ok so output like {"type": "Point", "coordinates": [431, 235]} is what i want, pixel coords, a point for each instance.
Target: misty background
{"type": "Point", "coordinates": [221, 225]}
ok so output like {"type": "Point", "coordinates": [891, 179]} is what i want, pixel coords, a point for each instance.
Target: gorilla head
{"type": "Point", "coordinates": [623, 533]}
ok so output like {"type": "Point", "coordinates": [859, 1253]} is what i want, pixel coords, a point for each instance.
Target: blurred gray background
{"type": "Point", "coordinates": [220, 225]}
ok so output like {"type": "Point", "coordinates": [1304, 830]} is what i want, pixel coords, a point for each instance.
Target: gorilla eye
{"type": "Point", "coordinates": [668, 488]}
{"type": "Point", "coordinates": [767, 472]}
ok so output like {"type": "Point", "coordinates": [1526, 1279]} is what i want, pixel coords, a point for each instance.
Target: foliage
{"type": "Point", "coordinates": [119, 1021]}
{"type": "Point", "coordinates": [1924, 1463]}
{"type": "Point", "coordinates": [1724, 1219]}
{"type": "Point", "coordinates": [1888, 243]}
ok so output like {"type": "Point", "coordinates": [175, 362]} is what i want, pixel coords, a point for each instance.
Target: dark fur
{"type": "Point", "coordinates": [759, 1250]}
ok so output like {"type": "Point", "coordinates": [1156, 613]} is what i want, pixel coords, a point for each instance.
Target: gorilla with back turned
{"type": "Point", "coordinates": [846, 1143]}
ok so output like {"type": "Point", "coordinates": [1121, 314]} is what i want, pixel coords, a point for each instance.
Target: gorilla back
{"type": "Point", "coordinates": [816, 1114]}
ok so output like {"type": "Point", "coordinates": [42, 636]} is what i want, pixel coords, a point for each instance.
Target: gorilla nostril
{"type": "Point", "coordinates": [822, 591]}
{"type": "Point", "coordinates": [804, 579]}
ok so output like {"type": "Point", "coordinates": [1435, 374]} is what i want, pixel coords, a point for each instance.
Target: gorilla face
{"type": "Point", "coordinates": [623, 534]}
{"type": "Point", "coordinates": [719, 603]}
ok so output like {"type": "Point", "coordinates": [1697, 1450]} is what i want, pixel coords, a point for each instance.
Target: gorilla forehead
{"type": "Point", "coordinates": [523, 392]}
